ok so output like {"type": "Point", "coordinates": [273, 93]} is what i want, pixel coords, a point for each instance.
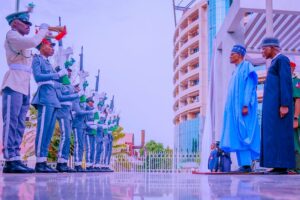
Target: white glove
{"type": "Point", "coordinates": [62, 72]}
{"type": "Point", "coordinates": [44, 26]}
{"type": "Point", "coordinates": [93, 126]}
{"type": "Point", "coordinates": [96, 95]}
{"type": "Point", "coordinates": [102, 95]}
{"type": "Point", "coordinates": [80, 93]}
{"type": "Point", "coordinates": [83, 74]}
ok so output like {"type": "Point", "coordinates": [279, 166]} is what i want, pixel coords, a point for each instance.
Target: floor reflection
{"type": "Point", "coordinates": [129, 186]}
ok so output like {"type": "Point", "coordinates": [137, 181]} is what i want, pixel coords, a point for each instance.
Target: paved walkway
{"type": "Point", "coordinates": [145, 186]}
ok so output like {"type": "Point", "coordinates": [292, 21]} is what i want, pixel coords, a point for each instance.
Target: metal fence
{"type": "Point", "coordinates": [162, 162]}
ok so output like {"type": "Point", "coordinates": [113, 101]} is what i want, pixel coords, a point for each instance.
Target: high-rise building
{"type": "Point", "coordinates": [190, 77]}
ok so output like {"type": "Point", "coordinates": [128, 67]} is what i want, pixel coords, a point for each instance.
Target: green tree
{"type": "Point", "coordinates": [30, 134]}
{"type": "Point", "coordinates": [117, 135]}
{"type": "Point", "coordinates": [32, 121]}
{"type": "Point", "coordinates": [156, 153]}
{"type": "Point", "coordinates": [54, 145]}
{"type": "Point", "coordinates": [153, 146]}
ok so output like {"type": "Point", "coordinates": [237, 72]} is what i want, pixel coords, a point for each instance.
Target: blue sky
{"type": "Point", "coordinates": [131, 42]}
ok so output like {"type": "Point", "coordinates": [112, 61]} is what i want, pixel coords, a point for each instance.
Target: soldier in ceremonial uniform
{"type": "Point", "coordinates": [296, 96]}
{"type": "Point", "coordinates": [15, 87]}
{"type": "Point", "coordinates": [90, 135]}
{"type": "Point", "coordinates": [46, 101]}
{"type": "Point", "coordinates": [79, 127]}
{"type": "Point", "coordinates": [100, 132]}
{"type": "Point", "coordinates": [108, 139]}
{"type": "Point", "coordinates": [64, 117]}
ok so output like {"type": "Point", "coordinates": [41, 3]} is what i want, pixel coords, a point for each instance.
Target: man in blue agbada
{"type": "Point", "coordinates": [241, 132]}
{"type": "Point", "coordinates": [277, 142]}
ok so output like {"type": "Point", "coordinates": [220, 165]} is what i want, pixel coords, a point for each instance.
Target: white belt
{"type": "Point", "coordinates": [20, 67]}
{"type": "Point", "coordinates": [45, 83]}
{"type": "Point", "coordinates": [90, 123]}
{"type": "Point", "coordinates": [66, 103]}
{"type": "Point", "coordinates": [104, 126]}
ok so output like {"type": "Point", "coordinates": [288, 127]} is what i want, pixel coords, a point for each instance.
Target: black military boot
{"type": "Point", "coordinates": [30, 170]}
{"type": "Point", "coordinates": [78, 168]}
{"type": "Point", "coordinates": [42, 167]}
{"type": "Point", "coordinates": [63, 167]}
{"type": "Point", "coordinates": [97, 169]}
{"type": "Point", "coordinates": [90, 169]}
{"type": "Point", "coordinates": [109, 170]}
{"type": "Point", "coordinates": [106, 169]}
{"type": "Point", "coordinates": [15, 167]}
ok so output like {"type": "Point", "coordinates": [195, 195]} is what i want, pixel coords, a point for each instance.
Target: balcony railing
{"type": "Point", "coordinates": [187, 108]}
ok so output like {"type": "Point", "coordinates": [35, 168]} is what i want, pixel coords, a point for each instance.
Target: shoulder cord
{"type": "Point", "coordinates": [18, 53]}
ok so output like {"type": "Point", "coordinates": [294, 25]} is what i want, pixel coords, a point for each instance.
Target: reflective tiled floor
{"type": "Point", "coordinates": [121, 186]}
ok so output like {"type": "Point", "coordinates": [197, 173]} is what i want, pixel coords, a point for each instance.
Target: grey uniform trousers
{"type": "Point", "coordinates": [78, 145]}
{"type": "Point", "coordinates": [14, 109]}
{"type": "Point", "coordinates": [65, 139]}
{"type": "Point", "coordinates": [45, 130]}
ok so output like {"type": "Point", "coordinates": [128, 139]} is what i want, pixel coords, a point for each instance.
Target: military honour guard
{"type": "Point", "coordinates": [59, 98]}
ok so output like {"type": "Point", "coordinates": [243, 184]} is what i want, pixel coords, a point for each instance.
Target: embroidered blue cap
{"type": "Point", "coordinates": [239, 49]}
{"type": "Point", "coordinates": [22, 16]}
{"type": "Point", "coordinates": [270, 41]}
{"type": "Point", "coordinates": [90, 99]}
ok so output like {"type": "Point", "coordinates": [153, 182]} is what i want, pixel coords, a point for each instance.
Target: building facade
{"type": "Point", "coordinates": [190, 78]}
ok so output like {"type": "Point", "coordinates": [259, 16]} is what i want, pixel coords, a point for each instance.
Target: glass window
{"type": "Point", "coordinates": [188, 135]}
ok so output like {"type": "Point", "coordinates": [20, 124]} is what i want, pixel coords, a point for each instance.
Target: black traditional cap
{"type": "Point", "coordinates": [270, 41]}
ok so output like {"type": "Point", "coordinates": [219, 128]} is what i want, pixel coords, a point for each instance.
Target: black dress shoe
{"type": "Point", "coordinates": [98, 169]}
{"type": "Point", "coordinates": [107, 169]}
{"type": "Point", "coordinates": [79, 169]}
{"type": "Point", "coordinates": [90, 169]}
{"type": "Point", "coordinates": [42, 167]}
{"type": "Point", "coordinates": [104, 169]}
{"type": "Point", "coordinates": [243, 169]}
{"type": "Point", "coordinates": [110, 170]}
{"type": "Point", "coordinates": [15, 167]}
{"type": "Point", "coordinates": [277, 171]}
{"type": "Point", "coordinates": [63, 167]}
{"type": "Point", "coordinates": [30, 170]}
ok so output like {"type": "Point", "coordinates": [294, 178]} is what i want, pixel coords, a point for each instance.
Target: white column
{"type": "Point", "coordinates": [269, 18]}
{"type": "Point", "coordinates": [269, 24]}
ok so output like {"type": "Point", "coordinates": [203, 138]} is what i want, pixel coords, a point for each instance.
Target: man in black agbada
{"type": "Point", "coordinates": [277, 139]}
